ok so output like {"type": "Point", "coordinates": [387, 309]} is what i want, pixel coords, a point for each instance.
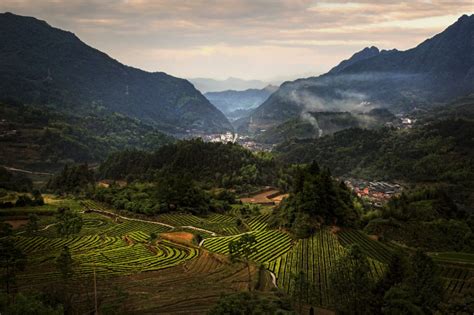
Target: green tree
{"type": "Point", "coordinates": [398, 300]}
{"type": "Point", "coordinates": [303, 291]}
{"type": "Point", "coordinates": [12, 259]}
{"type": "Point", "coordinates": [241, 249]}
{"type": "Point", "coordinates": [68, 222]}
{"type": "Point", "coordinates": [32, 225]}
{"type": "Point", "coordinates": [247, 303]}
{"type": "Point", "coordinates": [64, 263]}
{"type": "Point", "coordinates": [29, 305]}
{"type": "Point", "coordinates": [6, 229]}
{"type": "Point", "coordinates": [152, 238]}
{"type": "Point", "coordinates": [424, 283]}
{"type": "Point", "coordinates": [351, 282]}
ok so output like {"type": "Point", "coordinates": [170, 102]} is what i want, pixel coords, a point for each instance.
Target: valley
{"type": "Point", "coordinates": [129, 191]}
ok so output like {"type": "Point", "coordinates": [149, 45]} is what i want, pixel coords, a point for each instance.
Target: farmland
{"type": "Point", "coordinates": [270, 244]}
{"type": "Point", "coordinates": [117, 248]}
{"type": "Point", "coordinates": [314, 257]}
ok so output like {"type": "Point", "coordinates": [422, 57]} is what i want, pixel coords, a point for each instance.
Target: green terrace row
{"type": "Point", "coordinates": [315, 257]}
{"type": "Point", "coordinates": [258, 223]}
{"type": "Point", "coordinates": [106, 256]}
{"type": "Point", "coordinates": [374, 249]}
{"type": "Point", "coordinates": [270, 244]}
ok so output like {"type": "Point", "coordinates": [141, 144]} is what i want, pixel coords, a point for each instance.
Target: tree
{"type": "Point", "coordinates": [424, 283]}
{"type": "Point", "coordinates": [351, 282]}
{"type": "Point", "coordinates": [12, 259]}
{"type": "Point", "coordinates": [303, 291]}
{"type": "Point", "coordinates": [30, 305]}
{"type": "Point", "coordinates": [6, 229]}
{"type": "Point", "coordinates": [241, 249]}
{"type": "Point", "coordinates": [32, 225]}
{"type": "Point", "coordinates": [398, 301]}
{"type": "Point", "coordinates": [64, 263]}
{"type": "Point", "coordinates": [68, 222]}
{"type": "Point", "coordinates": [152, 238]}
{"type": "Point", "coordinates": [246, 303]}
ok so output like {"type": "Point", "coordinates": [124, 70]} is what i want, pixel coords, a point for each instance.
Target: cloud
{"type": "Point", "coordinates": [224, 38]}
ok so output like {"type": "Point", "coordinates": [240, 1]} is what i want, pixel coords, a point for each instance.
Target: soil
{"type": "Point", "coordinates": [261, 198]}
{"type": "Point", "coordinates": [16, 223]}
{"type": "Point", "coordinates": [178, 237]}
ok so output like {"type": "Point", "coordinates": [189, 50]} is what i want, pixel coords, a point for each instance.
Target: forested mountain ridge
{"type": "Point", "coordinates": [438, 70]}
{"type": "Point", "coordinates": [40, 64]}
{"type": "Point", "coordinates": [42, 138]}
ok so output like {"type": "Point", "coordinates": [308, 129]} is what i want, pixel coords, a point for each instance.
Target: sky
{"type": "Point", "coordinates": [251, 39]}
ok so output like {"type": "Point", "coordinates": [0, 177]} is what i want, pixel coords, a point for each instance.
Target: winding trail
{"type": "Point", "coordinates": [13, 169]}
{"type": "Point", "coordinates": [111, 214]}
{"type": "Point", "coordinates": [43, 229]}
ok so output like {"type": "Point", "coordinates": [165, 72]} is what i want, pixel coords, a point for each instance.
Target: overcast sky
{"type": "Point", "coordinates": [252, 39]}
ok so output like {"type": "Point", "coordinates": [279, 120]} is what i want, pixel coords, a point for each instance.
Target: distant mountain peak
{"type": "Point", "coordinates": [366, 53]}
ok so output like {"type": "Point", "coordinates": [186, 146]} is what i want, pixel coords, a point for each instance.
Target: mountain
{"type": "Point", "coordinates": [437, 70]}
{"type": "Point", "coordinates": [318, 124]}
{"type": "Point", "coordinates": [365, 53]}
{"type": "Point", "coordinates": [211, 85]}
{"type": "Point", "coordinates": [234, 104]}
{"type": "Point", "coordinates": [44, 65]}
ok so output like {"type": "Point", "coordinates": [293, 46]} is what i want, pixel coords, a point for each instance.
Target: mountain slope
{"type": "Point", "coordinates": [44, 65]}
{"type": "Point", "coordinates": [235, 103]}
{"type": "Point", "coordinates": [437, 70]}
{"type": "Point", "coordinates": [36, 137]}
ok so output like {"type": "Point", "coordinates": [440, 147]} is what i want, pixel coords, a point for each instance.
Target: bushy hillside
{"type": "Point", "coordinates": [439, 152]}
{"type": "Point", "coordinates": [36, 137]}
{"type": "Point", "coordinates": [212, 164]}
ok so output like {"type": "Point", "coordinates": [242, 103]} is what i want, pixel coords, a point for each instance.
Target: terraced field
{"type": "Point", "coordinates": [458, 280]}
{"type": "Point", "coordinates": [217, 223]}
{"type": "Point", "coordinates": [258, 223]}
{"type": "Point", "coordinates": [270, 244]}
{"type": "Point", "coordinates": [189, 288]}
{"type": "Point", "coordinates": [107, 255]}
{"type": "Point", "coordinates": [190, 278]}
{"type": "Point", "coordinates": [315, 256]}
{"type": "Point", "coordinates": [130, 226]}
{"type": "Point", "coordinates": [374, 249]}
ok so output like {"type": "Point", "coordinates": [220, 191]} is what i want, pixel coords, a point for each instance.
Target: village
{"type": "Point", "coordinates": [376, 193]}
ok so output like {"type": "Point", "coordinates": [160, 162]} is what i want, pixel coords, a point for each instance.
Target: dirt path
{"type": "Point", "coordinates": [43, 229]}
{"type": "Point", "coordinates": [13, 169]}
{"type": "Point", "coordinates": [198, 229]}
{"type": "Point", "coordinates": [111, 214]}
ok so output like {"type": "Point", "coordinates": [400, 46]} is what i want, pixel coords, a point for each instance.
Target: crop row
{"type": "Point", "coordinates": [106, 256]}
{"type": "Point", "coordinates": [129, 226]}
{"type": "Point", "coordinates": [315, 257]}
{"type": "Point", "coordinates": [270, 244]}
{"type": "Point", "coordinates": [258, 223]}
{"type": "Point", "coordinates": [215, 222]}
{"type": "Point", "coordinates": [457, 279]}
{"type": "Point", "coordinates": [372, 248]}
